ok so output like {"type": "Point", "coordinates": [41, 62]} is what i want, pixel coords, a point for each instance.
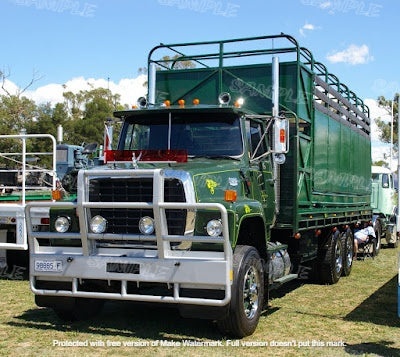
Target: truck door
{"type": "Point", "coordinates": [261, 167]}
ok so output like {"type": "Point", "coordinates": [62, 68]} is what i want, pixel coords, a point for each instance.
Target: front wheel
{"type": "Point", "coordinates": [247, 294]}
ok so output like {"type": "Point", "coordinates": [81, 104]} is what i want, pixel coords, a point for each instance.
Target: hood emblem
{"type": "Point", "coordinates": [233, 181]}
{"type": "Point", "coordinates": [211, 185]}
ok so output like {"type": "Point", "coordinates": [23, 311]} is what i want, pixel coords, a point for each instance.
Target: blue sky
{"type": "Point", "coordinates": [64, 39]}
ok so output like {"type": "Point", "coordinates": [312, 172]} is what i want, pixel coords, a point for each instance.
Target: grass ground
{"type": "Point", "coordinates": [358, 316]}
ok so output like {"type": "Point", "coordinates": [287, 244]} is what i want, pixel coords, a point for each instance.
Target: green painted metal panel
{"type": "Point", "coordinates": [253, 83]}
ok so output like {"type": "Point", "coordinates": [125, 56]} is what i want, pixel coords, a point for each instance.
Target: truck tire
{"type": "Point", "coordinates": [378, 231]}
{"type": "Point", "coordinates": [247, 294]}
{"type": "Point", "coordinates": [332, 262]}
{"type": "Point", "coordinates": [347, 241]}
{"type": "Point", "coordinates": [79, 309]}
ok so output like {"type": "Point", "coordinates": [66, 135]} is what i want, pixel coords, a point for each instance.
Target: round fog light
{"type": "Point", "coordinates": [146, 225]}
{"type": "Point", "coordinates": [98, 224]}
{"type": "Point", "coordinates": [62, 224]}
{"type": "Point", "coordinates": [214, 228]}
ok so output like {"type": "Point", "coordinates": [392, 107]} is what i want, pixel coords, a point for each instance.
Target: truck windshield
{"type": "Point", "coordinates": [208, 135]}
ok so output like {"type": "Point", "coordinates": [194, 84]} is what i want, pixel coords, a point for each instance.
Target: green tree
{"type": "Point", "coordinates": [385, 128]}
{"type": "Point", "coordinates": [90, 110]}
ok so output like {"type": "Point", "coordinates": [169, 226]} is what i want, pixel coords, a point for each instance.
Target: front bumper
{"type": "Point", "coordinates": [131, 274]}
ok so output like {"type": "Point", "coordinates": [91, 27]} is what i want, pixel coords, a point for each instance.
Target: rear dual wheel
{"type": "Point", "coordinates": [331, 264]}
{"type": "Point", "coordinates": [347, 241]}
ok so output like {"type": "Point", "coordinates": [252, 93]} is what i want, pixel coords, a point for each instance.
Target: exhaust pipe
{"type": "Point", "coordinates": [60, 134]}
{"type": "Point", "coordinates": [275, 117]}
{"type": "Point", "coordinates": [152, 84]}
{"type": "Point", "coordinates": [275, 87]}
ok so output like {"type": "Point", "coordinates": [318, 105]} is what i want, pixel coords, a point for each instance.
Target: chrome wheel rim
{"type": "Point", "coordinates": [349, 251]}
{"type": "Point", "coordinates": [338, 258]}
{"type": "Point", "coordinates": [251, 289]}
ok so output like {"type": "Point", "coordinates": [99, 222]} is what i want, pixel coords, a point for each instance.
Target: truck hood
{"type": "Point", "coordinates": [210, 177]}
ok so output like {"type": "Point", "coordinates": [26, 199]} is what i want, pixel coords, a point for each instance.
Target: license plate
{"type": "Point", "coordinates": [48, 265]}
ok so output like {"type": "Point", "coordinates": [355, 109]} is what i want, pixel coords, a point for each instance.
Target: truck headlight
{"type": "Point", "coordinates": [214, 228]}
{"type": "Point", "coordinates": [146, 225]}
{"type": "Point", "coordinates": [98, 224]}
{"type": "Point", "coordinates": [62, 224]}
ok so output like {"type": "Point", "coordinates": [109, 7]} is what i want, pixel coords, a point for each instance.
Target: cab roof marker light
{"type": "Point", "coordinates": [196, 101]}
{"type": "Point", "coordinates": [224, 98]}
{"type": "Point", "coordinates": [142, 102]}
{"type": "Point", "coordinates": [181, 103]}
{"type": "Point", "coordinates": [167, 103]}
{"type": "Point", "coordinates": [239, 102]}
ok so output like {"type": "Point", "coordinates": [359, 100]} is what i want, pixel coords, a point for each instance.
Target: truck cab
{"type": "Point", "coordinates": [384, 205]}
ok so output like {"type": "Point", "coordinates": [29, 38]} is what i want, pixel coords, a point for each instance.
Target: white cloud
{"type": "Point", "coordinates": [130, 89]}
{"type": "Point", "coordinates": [353, 55]}
{"type": "Point", "coordinates": [9, 87]}
{"type": "Point", "coordinates": [307, 26]}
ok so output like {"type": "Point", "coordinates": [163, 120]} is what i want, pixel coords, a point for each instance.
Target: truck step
{"type": "Point", "coordinates": [286, 278]}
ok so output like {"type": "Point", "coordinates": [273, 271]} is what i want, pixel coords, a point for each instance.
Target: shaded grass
{"type": "Point", "coordinates": [360, 312]}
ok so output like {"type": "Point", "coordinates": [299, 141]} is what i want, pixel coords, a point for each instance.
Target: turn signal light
{"type": "Point", "coordinates": [56, 195]}
{"type": "Point", "coordinates": [230, 196]}
{"type": "Point", "coordinates": [297, 236]}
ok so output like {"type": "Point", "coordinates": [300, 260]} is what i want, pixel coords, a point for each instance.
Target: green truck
{"type": "Point", "coordinates": [247, 165]}
{"type": "Point", "coordinates": [384, 207]}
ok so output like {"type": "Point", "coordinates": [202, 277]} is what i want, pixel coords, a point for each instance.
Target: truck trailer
{"type": "Point", "coordinates": [247, 165]}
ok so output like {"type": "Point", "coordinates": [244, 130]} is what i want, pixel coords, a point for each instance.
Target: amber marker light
{"type": "Point", "coordinates": [239, 102]}
{"type": "Point", "coordinates": [134, 106]}
{"type": "Point", "coordinates": [230, 195]}
{"type": "Point", "coordinates": [56, 195]}
{"type": "Point", "coordinates": [196, 101]}
{"type": "Point", "coordinates": [297, 236]}
{"type": "Point", "coordinates": [181, 103]}
{"type": "Point", "coordinates": [167, 103]}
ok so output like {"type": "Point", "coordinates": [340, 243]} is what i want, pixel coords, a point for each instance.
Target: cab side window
{"type": "Point", "coordinates": [385, 181]}
{"type": "Point", "coordinates": [254, 135]}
